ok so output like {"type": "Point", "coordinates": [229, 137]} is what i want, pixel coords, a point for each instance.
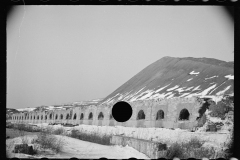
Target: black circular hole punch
{"type": "Point", "coordinates": [122, 111]}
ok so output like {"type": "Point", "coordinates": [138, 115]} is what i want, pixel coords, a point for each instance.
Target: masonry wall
{"type": "Point", "coordinates": [170, 107]}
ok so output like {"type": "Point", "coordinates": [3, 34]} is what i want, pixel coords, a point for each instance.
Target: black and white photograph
{"type": "Point", "coordinates": [120, 81]}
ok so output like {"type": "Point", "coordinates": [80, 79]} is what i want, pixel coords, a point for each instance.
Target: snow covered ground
{"type": "Point", "coordinates": [163, 135]}
{"type": "Point", "coordinates": [80, 149]}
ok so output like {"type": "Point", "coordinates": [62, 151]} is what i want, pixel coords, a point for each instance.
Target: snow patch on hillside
{"type": "Point", "coordinates": [108, 100]}
{"type": "Point", "coordinates": [205, 92]}
{"type": "Point", "coordinates": [132, 98]}
{"type": "Point", "coordinates": [189, 79]}
{"type": "Point", "coordinates": [210, 77]}
{"type": "Point", "coordinates": [223, 91]}
{"type": "Point", "coordinates": [193, 73]}
{"type": "Point", "coordinates": [196, 88]}
{"type": "Point", "coordinates": [189, 88]}
{"type": "Point", "coordinates": [184, 94]}
{"type": "Point", "coordinates": [229, 76]}
{"type": "Point", "coordinates": [147, 95]}
{"type": "Point", "coordinates": [164, 95]}
{"type": "Point", "coordinates": [201, 93]}
{"type": "Point", "coordinates": [170, 89]}
{"type": "Point", "coordinates": [171, 96]}
{"type": "Point", "coordinates": [162, 88]}
{"type": "Point", "coordinates": [180, 89]}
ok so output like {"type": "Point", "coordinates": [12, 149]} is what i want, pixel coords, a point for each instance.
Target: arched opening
{"type": "Point", "coordinates": [75, 116]}
{"type": "Point", "coordinates": [42, 117]}
{"type": "Point", "coordinates": [37, 117]}
{"type": "Point", "coordinates": [100, 116]}
{"type": "Point", "coordinates": [90, 117]}
{"type": "Point", "coordinates": [31, 117]}
{"type": "Point", "coordinates": [184, 114]}
{"type": "Point", "coordinates": [67, 117]}
{"type": "Point", "coordinates": [61, 116]}
{"type": "Point", "coordinates": [45, 117]}
{"type": "Point", "coordinates": [56, 117]}
{"type": "Point", "coordinates": [160, 115]}
{"type": "Point", "coordinates": [51, 116]}
{"type": "Point", "coordinates": [34, 117]}
{"type": "Point", "coordinates": [140, 115]}
{"type": "Point", "coordinates": [82, 116]}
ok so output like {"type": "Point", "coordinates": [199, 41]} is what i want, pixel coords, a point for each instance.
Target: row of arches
{"type": "Point", "coordinates": [183, 115]}
{"type": "Point", "coordinates": [159, 115]}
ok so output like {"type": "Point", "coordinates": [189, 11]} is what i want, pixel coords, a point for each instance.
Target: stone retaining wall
{"type": "Point", "coordinates": [150, 148]}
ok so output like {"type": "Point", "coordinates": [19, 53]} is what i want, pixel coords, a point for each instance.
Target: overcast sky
{"type": "Point", "coordinates": [62, 54]}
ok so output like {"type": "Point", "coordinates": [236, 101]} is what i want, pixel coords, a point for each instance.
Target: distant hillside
{"type": "Point", "coordinates": [177, 77]}
{"type": "Point", "coordinates": [52, 107]}
{"type": "Point", "coordinates": [11, 110]}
